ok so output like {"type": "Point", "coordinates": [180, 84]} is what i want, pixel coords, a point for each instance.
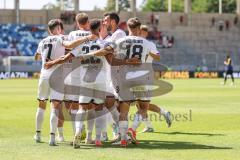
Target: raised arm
{"type": "Point", "coordinates": [227, 62]}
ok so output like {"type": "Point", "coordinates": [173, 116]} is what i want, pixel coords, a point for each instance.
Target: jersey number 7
{"type": "Point", "coordinates": [49, 47]}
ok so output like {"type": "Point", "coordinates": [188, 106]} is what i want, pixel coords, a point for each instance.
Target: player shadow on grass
{"type": "Point", "coordinates": [171, 145]}
{"type": "Point", "coordinates": [189, 133]}
{"type": "Point", "coordinates": [150, 144]}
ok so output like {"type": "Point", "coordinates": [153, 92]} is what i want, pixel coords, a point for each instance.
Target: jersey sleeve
{"type": "Point", "coordinates": [120, 48]}
{"type": "Point", "coordinates": [40, 48]}
{"type": "Point", "coordinates": [60, 40]}
{"type": "Point", "coordinates": [153, 48]}
{"type": "Point", "coordinates": [76, 51]}
{"type": "Point", "coordinates": [70, 36]}
{"type": "Point", "coordinates": [117, 36]}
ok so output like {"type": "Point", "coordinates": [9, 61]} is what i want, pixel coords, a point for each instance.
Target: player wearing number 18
{"type": "Point", "coordinates": [133, 46]}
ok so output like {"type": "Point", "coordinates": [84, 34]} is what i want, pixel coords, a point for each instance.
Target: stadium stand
{"type": "Point", "coordinates": [195, 42]}
{"type": "Point", "coordinates": [22, 37]}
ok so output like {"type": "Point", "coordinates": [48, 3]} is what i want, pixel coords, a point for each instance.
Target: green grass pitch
{"type": "Point", "coordinates": [212, 133]}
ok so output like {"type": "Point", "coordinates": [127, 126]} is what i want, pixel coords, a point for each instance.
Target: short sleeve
{"type": "Point", "coordinates": [40, 46]}
{"type": "Point", "coordinates": [153, 48]}
{"type": "Point", "coordinates": [70, 36]}
{"type": "Point", "coordinates": [118, 35]}
{"type": "Point", "coordinates": [60, 40]}
{"type": "Point", "coordinates": [76, 51]}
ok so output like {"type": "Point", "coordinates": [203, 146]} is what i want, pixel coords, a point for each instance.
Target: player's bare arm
{"type": "Point", "coordinates": [37, 56]}
{"type": "Point", "coordinates": [75, 43]}
{"type": "Point", "coordinates": [101, 52]}
{"type": "Point", "coordinates": [113, 61]}
{"type": "Point", "coordinates": [60, 60]}
{"type": "Point", "coordinates": [227, 62]}
{"type": "Point", "coordinates": [108, 53]}
{"type": "Point", "coordinates": [155, 56]}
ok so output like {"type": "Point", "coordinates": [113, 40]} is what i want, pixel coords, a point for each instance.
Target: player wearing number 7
{"type": "Point", "coordinates": [51, 48]}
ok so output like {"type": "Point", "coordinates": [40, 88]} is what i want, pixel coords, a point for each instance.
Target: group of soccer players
{"type": "Point", "coordinates": [94, 72]}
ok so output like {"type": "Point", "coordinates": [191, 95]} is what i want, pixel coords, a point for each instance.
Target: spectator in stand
{"type": "Point", "coordinates": [213, 21]}
{"type": "Point", "coordinates": [220, 25]}
{"type": "Point", "coordinates": [204, 68]}
{"type": "Point", "coordinates": [151, 33]}
{"type": "Point", "coordinates": [156, 19]}
{"type": "Point", "coordinates": [152, 18]}
{"type": "Point", "coordinates": [235, 21]}
{"type": "Point", "coordinates": [227, 25]}
{"type": "Point", "coordinates": [34, 29]}
{"type": "Point", "coordinates": [68, 17]}
{"type": "Point", "coordinates": [123, 26]}
{"type": "Point", "coordinates": [171, 42]}
{"type": "Point", "coordinates": [198, 69]}
{"type": "Point", "coordinates": [181, 19]}
{"type": "Point", "coordinates": [73, 16]}
{"type": "Point", "coordinates": [165, 42]}
{"type": "Point", "coordinates": [157, 34]}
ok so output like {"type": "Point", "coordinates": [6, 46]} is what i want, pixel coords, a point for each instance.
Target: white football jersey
{"type": "Point", "coordinates": [133, 46]}
{"type": "Point", "coordinates": [153, 50]}
{"type": "Point", "coordinates": [77, 34]}
{"type": "Point", "coordinates": [115, 36]}
{"type": "Point", "coordinates": [93, 69]}
{"type": "Point", "coordinates": [118, 34]}
{"type": "Point", "coordinates": [74, 35]}
{"type": "Point", "coordinates": [50, 48]}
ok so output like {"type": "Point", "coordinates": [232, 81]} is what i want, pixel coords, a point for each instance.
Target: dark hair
{"type": "Point", "coordinates": [95, 24]}
{"type": "Point", "coordinates": [52, 24]}
{"type": "Point", "coordinates": [113, 16]}
{"type": "Point", "coordinates": [81, 18]}
{"type": "Point", "coordinates": [61, 25]}
{"type": "Point", "coordinates": [134, 23]}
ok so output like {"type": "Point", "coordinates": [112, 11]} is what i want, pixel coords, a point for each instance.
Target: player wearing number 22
{"type": "Point", "coordinates": [52, 48]}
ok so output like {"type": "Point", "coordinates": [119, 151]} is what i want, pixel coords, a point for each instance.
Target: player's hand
{"type": "Point", "coordinates": [133, 61]}
{"type": "Point", "coordinates": [81, 58]}
{"type": "Point", "coordinates": [48, 65]}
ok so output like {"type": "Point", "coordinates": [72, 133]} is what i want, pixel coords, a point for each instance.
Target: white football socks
{"type": "Point", "coordinates": [73, 117]}
{"type": "Point", "coordinates": [104, 120]}
{"type": "Point", "coordinates": [136, 122]}
{"type": "Point", "coordinates": [53, 120]}
{"type": "Point", "coordinates": [163, 112]}
{"type": "Point", "coordinates": [147, 122]}
{"type": "Point", "coordinates": [90, 123]}
{"type": "Point", "coordinates": [99, 123]}
{"type": "Point", "coordinates": [39, 118]}
{"type": "Point", "coordinates": [114, 112]}
{"type": "Point", "coordinates": [123, 127]}
{"type": "Point", "coordinates": [80, 117]}
{"type": "Point", "coordinates": [60, 131]}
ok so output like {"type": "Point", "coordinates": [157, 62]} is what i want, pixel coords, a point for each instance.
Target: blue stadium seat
{"type": "Point", "coordinates": [23, 37]}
